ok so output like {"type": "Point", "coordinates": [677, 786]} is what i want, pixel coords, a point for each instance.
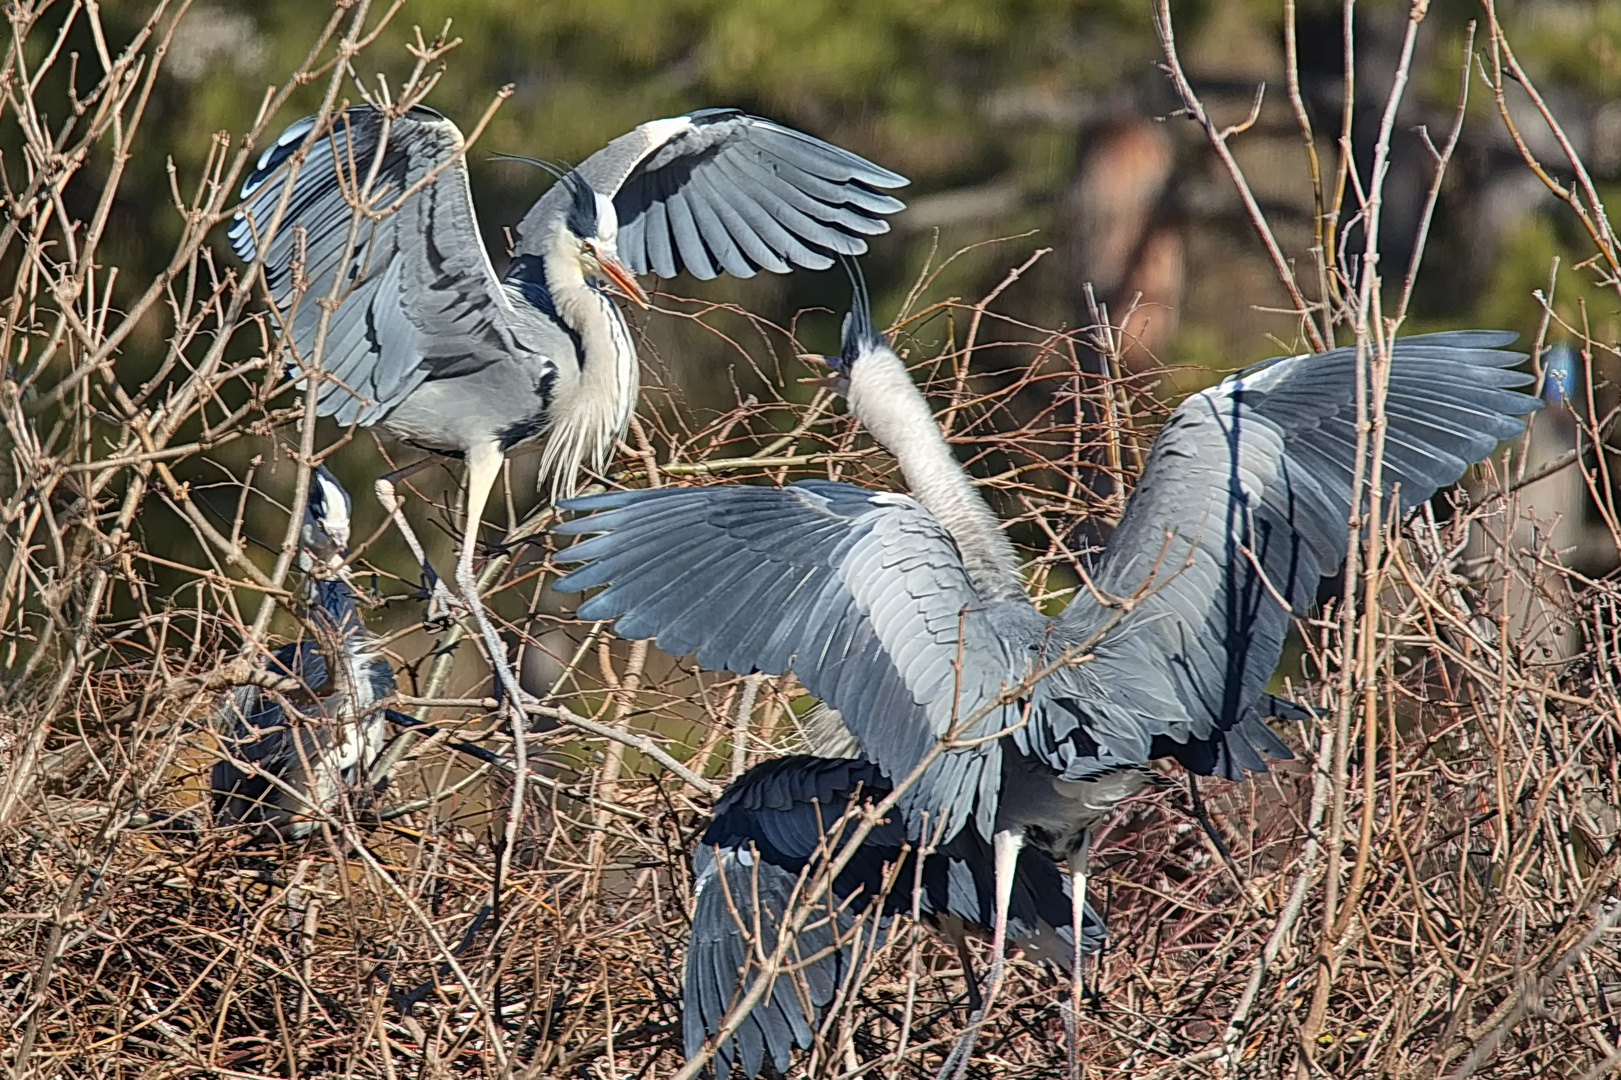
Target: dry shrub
{"type": "Point", "coordinates": [1426, 890]}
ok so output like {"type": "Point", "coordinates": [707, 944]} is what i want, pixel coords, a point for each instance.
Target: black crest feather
{"type": "Point", "coordinates": [582, 212]}
{"type": "Point", "coordinates": [859, 334]}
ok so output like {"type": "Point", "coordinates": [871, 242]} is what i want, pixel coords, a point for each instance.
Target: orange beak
{"type": "Point", "coordinates": [623, 279]}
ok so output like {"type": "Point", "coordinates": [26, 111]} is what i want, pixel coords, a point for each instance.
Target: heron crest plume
{"type": "Point", "coordinates": [590, 216]}
{"type": "Point", "coordinates": [858, 336]}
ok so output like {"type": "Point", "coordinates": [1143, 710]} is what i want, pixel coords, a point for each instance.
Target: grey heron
{"type": "Point", "coordinates": [908, 615]}
{"type": "Point", "coordinates": [428, 343]}
{"type": "Point", "coordinates": [314, 754]}
{"type": "Point", "coordinates": [788, 815]}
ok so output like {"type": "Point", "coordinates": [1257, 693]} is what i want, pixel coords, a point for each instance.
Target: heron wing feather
{"type": "Point", "coordinates": [417, 294]}
{"type": "Point", "coordinates": [738, 893]}
{"type": "Point", "coordinates": [759, 195]}
{"type": "Point", "coordinates": [842, 585]}
{"type": "Point", "coordinates": [1242, 509]}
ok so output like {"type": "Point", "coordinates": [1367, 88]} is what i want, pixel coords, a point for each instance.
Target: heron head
{"type": "Point", "coordinates": [594, 225]}
{"type": "Point", "coordinates": [324, 540]}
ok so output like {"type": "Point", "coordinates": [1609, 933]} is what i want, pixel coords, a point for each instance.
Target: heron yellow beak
{"type": "Point", "coordinates": [623, 279]}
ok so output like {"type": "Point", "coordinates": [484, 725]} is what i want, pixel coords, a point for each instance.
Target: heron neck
{"type": "Point", "coordinates": [596, 388]}
{"type": "Point", "coordinates": [334, 603]}
{"type": "Point", "coordinates": [890, 406]}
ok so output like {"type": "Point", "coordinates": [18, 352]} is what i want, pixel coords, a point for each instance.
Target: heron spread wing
{"type": "Point", "coordinates": [419, 295]}
{"type": "Point", "coordinates": [771, 824]}
{"type": "Point", "coordinates": [719, 191]}
{"type": "Point", "coordinates": [862, 594]}
{"type": "Point", "coordinates": [789, 809]}
{"type": "Point", "coordinates": [1244, 503]}
{"type": "Point", "coordinates": [767, 828]}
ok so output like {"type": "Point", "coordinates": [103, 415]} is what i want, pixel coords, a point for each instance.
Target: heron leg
{"type": "Point", "coordinates": [975, 1001]}
{"type": "Point", "coordinates": [483, 466]}
{"type": "Point", "coordinates": [1077, 987]}
{"type": "Point", "coordinates": [1005, 847]}
{"type": "Point", "coordinates": [442, 603]}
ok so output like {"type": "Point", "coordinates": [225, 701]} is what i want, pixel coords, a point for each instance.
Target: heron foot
{"type": "Point", "coordinates": [443, 605]}
{"type": "Point", "coordinates": [524, 702]}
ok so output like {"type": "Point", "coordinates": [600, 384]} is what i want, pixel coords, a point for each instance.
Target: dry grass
{"type": "Point", "coordinates": [1428, 890]}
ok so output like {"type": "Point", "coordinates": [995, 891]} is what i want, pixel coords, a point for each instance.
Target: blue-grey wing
{"type": "Point", "coordinates": [796, 809]}
{"type": "Point", "coordinates": [252, 728]}
{"type": "Point", "coordinates": [769, 826]}
{"type": "Point", "coordinates": [741, 900]}
{"type": "Point", "coordinates": [862, 594]}
{"type": "Point", "coordinates": [1242, 509]}
{"type": "Point", "coordinates": [419, 296]}
{"type": "Point", "coordinates": [719, 191]}
{"type": "Point", "coordinates": [767, 829]}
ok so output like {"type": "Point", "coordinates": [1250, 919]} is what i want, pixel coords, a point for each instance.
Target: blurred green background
{"type": "Point", "coordinates": [1007, 116]}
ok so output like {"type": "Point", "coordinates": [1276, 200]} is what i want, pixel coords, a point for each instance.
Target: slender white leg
{"type": "Point", "coordinates": [1005, 847]}
{"type": "Point", "coordinates": [483, 466]}
{"type": "Point", "coordinates": [442, 603]}
{"type": "Point", "coordinates": [1077, 985]}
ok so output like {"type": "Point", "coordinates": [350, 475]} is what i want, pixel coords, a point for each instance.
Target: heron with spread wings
{"type": "Point", "coordinates": [908, 614]}
{"type": "Point", "coordinates": [427, 342]}
{"type": "Point", "coordinates": [773, 831]}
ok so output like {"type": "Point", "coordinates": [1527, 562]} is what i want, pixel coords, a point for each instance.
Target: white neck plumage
{"type": "Point", "coordinates": [592, 404]}
{"type": "Point", "coordinates": [890, 406]}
